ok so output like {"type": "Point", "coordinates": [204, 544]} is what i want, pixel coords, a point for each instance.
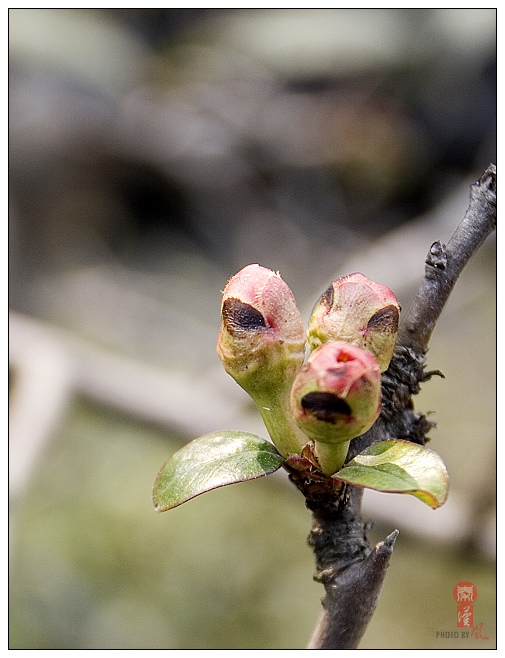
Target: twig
{"type": "Point", "coordinates": [444, 264]}
{"type": "Point", "coordinates": [353, 573]}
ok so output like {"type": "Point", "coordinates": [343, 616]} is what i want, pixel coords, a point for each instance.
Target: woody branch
{"type": "Point", "coordinates": [351, 572]}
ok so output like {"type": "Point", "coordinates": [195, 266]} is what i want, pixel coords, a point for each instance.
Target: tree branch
{"type": "Point", "coordinates": [353, 573]}
{"type": "Point", "coordinates": [444, 264]}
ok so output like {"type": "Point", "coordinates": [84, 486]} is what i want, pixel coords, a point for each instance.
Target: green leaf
{"type": "Point", "coordinates": [399, 467]}
{"type": "Point", "coordinates": [212, 461]}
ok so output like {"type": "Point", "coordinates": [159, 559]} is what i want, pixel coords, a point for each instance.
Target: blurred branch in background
{"type": "Point", "coordinates": [153, 153]}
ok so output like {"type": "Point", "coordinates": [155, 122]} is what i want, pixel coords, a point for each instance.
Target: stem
{"type": "Point", "coordinates": [444, 264]}
{"type": "Point", "coordinates": [351, 572]}
{"type": "Point", "coordinates": [348, 607]}
{"type": "Point", "coordinates": [281, 425]}
{"type": "Point", "coordinates": [331, 456]}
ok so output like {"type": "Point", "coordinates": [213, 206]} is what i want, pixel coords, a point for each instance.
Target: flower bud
{"type": "Point", "coordinates": [337, 394]}
{"type": "Point", "coordinates": [262, 346]}
{"type": "Point", "coordinates": [358, 311]}
{"type": "Point", "coordinates": [335, 398]}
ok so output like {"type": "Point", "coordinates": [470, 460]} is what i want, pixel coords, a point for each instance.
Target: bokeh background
{"type": "Point", "coordinates": [154, 153]}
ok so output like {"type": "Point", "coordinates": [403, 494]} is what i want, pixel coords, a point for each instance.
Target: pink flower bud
{"type": "Point", "coordinates": [261, 325]}
{"type": "Point", "coordinates": [262, 346]}
{"type": "Point", "coordinates": [337, 394]}
{"type": "Point", "coordinates": [358, 311]}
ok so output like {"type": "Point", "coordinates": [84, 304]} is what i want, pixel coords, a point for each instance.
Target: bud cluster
{"type": "Point", "coordinates": [336, 395]}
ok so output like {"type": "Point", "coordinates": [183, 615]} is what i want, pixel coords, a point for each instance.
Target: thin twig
{"type": "Point", "coordinates": [353, 573]}
{"type": "Point", "coordinates": [444, 264]}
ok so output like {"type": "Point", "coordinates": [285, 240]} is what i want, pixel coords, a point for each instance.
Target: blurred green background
{"type": "Point", "coordinates": [153, 153]}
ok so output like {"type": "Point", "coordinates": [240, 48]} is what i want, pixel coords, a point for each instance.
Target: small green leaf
{"type": "Point", "coordinates": [212, 461]}
{"type": "Point", "coordinates": [399, 467]}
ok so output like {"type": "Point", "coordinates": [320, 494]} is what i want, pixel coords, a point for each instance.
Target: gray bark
{"type": "Point", "coordinates": [351, 571]}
